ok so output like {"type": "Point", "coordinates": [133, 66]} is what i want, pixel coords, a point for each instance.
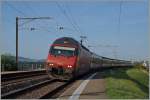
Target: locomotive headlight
{"type": "Point", "coordinates": [69, 66]}
{"type": "Point", "coordinates": [50, 64]}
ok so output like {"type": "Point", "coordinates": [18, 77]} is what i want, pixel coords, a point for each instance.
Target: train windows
{"type": "Point", "coordinates": [63, 51]}
{"type": "Point", "coordinates": [64, 48]}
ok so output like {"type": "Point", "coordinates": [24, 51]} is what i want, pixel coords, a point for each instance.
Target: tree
{"type": "Point", "coordinates": [8, 62]}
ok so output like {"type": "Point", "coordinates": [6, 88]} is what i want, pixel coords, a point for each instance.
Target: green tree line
{"type": "Point", "coordinates": [8, 62]}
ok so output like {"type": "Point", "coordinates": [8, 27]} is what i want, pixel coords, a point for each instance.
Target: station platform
{"type": "Point", "coordinates": [90, 87]}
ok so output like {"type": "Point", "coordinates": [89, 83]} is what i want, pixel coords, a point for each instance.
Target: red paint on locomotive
{"type": "Point", "coordinates": [62, 58]}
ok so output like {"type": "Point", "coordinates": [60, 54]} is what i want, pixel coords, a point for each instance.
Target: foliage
{"type": "Point", "coordinates": [127, 83]}
{"type": "Point", "coordinates": [8, 62]}
{"type": "Point", "coordinates": [140, 66]}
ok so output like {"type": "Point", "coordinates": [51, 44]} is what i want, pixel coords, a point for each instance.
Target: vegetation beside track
{"type": "Point", "coordinates": [8, 62]}
{"type": "Point", "coordinates": [127, 83]}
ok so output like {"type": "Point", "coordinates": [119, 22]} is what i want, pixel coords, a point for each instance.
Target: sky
{"type": "Point", "coordinates": [113, 29]}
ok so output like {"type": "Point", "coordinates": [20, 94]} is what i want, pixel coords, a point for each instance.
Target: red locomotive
{"type": "Point", "coordinates": [67, 58]}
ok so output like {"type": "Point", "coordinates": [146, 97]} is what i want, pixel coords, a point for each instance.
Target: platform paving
{"type": "Point", "coordinates": [90, 87]}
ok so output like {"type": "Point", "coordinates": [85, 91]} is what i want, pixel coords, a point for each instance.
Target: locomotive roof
{"type": "Point", "coordinates": [66, 39]}
{"type": "Point", "coordinates": [69, 40]}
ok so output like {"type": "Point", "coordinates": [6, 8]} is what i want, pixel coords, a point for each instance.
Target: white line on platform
{"type": "Point", "coordinates": [79, 90]}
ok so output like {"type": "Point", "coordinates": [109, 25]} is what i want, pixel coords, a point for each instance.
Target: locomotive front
{"type": "Point", "coordinates": [62, 59]}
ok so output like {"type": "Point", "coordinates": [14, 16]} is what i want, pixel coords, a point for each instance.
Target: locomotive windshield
{"type": "Point", "coordinates": [63, 51]}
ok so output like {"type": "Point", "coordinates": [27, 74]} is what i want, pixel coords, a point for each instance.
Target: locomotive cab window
{"type": "Point", "coordinates": [63, 51]}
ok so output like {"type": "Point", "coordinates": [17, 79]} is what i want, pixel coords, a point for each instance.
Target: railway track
{"type": "Point", "coordinates": [21, 83]}
{"type": "Point", "coordinates": [34, 84]}
{"type": "Point", "coordinates": [15, 80]}
{"type": "Point", "coordinates": [43, 89]}
{"type": "Point", "coordinates": [19, 75]}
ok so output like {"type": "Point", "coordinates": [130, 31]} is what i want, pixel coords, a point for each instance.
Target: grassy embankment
{"type": "Point", "coordinates": [127, 83]}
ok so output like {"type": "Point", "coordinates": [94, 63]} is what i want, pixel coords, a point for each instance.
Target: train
{"type": "Point", "coordinates": [67, 59]}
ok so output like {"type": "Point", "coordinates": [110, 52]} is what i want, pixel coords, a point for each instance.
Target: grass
{"type": "Point", "coordinates": [127, 83]}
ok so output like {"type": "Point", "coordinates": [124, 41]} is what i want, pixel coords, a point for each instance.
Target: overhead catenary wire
{"type": "Point", "coordinates": [114, 48]}
{"type": "Point", "coordinates": [26, 22]}
{"type": "Point", "coordinates": [66, 15]}
{"type": "Point", "coordinates": [82, 34]}
{"type": "Point", "coordinates": [72, 18]}
{"type": "Point", "coordinates": [119, 19]}
{"type": "Point", "coordinates": [17, 10]}
{"type": "Point", "coordinates": [24, 14]}
{"type": "Point", "coordinates": [41, 26]}
{"type": "Point", "coordinates": [21, 13]}
{"type": "Point", "coordinates": [34, 12]}
{"type": "Point", "coordinates": [58, 25]}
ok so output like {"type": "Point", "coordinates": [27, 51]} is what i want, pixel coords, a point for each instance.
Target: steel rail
{"type": "Point", "coordinates": [18, 75]}
{"type": "Point", "coordinates": [14, 93]}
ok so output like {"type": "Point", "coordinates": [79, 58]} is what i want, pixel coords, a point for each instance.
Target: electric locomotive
{"type": "Point", "coordinates": [67, 59]}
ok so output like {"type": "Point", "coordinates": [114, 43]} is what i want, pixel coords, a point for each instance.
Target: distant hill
{"type": "Point", "coordinates": [41, 60]}
{"type": "Point", "coordinates": [22, 59]}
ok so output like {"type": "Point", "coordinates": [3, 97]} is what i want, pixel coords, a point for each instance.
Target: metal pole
{"type": "Point", "coordinates": [82, 37]}
{"type": "Point", "coordinates": [17, 21]}
{"type": "Point", "coordinates": [17, 42]}
{"type": "Point", "coordinates": [81, 41]}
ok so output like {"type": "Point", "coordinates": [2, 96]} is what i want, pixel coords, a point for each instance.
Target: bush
{"type": "Point", "coordinates": [8, 63]}
{"type": "Point", "coordinates": [140, 66]}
